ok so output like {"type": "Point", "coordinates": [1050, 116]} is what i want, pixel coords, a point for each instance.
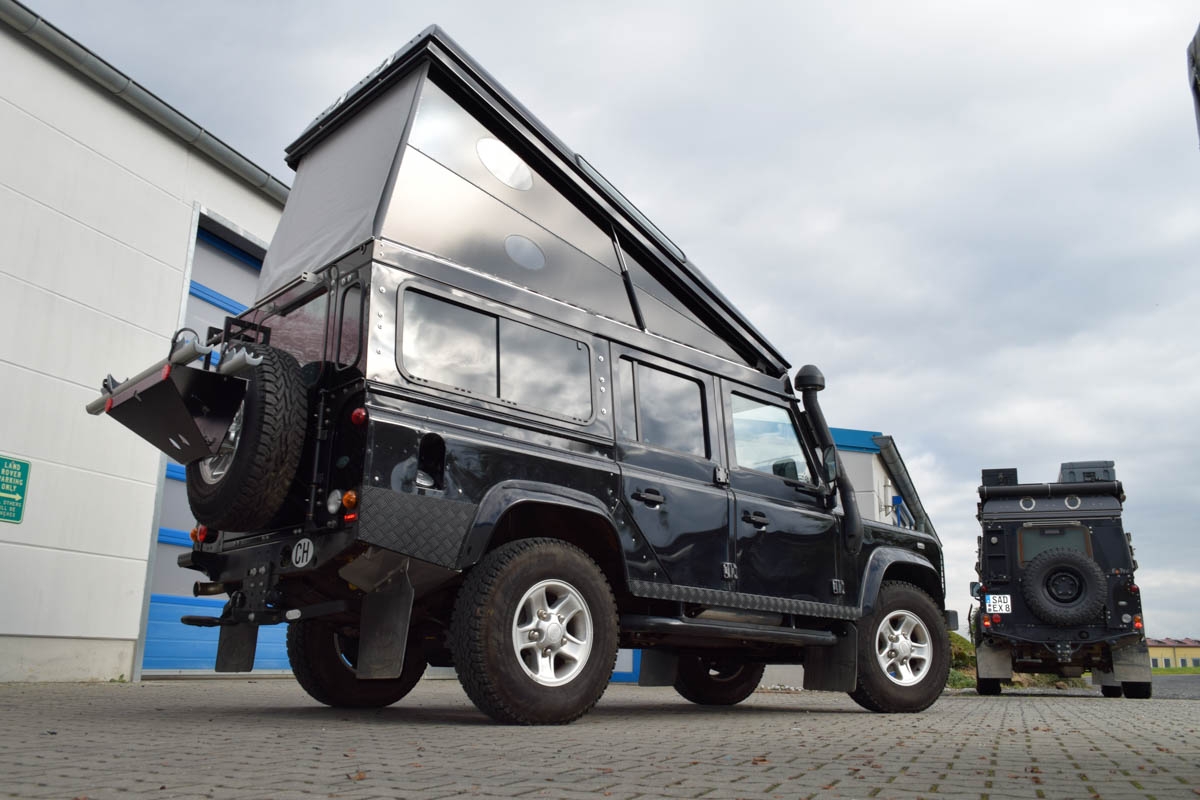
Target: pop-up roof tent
{"type": "Point", "coordinates": [430, 152]}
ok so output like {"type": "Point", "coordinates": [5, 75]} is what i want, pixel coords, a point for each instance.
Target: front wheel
{"type": "Point", "coordinates": [903, 652]}
{"type": "Point", "coordinates": [534, 633]}
{"type": "Point", "coordinates": [716, 681]}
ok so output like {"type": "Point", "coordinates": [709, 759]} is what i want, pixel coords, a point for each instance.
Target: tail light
{"type": "Point", "coordinates": [1137, 622]}
{"type": "Point", "coordinates": [358, 416]}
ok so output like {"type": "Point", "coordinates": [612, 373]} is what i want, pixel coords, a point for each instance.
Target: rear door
{"type": "Point", "coordinates": [666, 418]}
{"type": "Point", "coordinates": [785, 541]}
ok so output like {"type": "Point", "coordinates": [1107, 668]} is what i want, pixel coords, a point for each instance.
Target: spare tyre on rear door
{"type": "Point", "coordinates": [1064, 587]}
{"type": "Point", "coordinates": [242, 486]}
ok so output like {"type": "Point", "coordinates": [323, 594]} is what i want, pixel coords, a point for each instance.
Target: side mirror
{"type": "Point", "coordinates": [975, 589]}
{"type": "Point", "coordinates": [831, 465]}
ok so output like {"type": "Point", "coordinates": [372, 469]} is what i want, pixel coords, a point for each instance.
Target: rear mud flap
{"type": "Point", "coordinates": [183, 411]}
{"type": "Point", "coordinates": [993, 662]}
{"type": "Point", "coordinates": [236, 647]}
{"type": "Point", "coordinates": [1131, 664]}
{"type": "Point", "coordinates": [383, 631]}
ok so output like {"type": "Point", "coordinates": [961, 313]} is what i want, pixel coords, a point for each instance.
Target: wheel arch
{"type": "Point", "coordinates": [515, 510]}
{"type": "Point", "coordinates": [896, 564]}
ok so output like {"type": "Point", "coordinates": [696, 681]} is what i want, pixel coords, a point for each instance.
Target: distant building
{"type": "Point", "coordinates": [882, 485]}
{"type": "Point", "coordinates": [1169, 653]}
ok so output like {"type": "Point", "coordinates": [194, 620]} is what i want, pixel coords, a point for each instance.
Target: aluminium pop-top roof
{"type": "Point", "coordinates": [430, 151]}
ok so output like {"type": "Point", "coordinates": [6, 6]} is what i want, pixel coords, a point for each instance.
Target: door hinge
{"type": "Point", "coordinates": [837, 586]}
{"type": "Point", "coordinates": [729, 570]}
{"type": "Point", "coordinates": [720, 476]}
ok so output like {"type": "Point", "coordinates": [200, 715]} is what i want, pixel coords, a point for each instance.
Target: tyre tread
{"type": "Point", "coordinates": [467, 639]}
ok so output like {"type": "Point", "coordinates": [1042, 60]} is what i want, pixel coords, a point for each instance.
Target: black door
{"type": "Point", "coordinates": [666, 446]}
{"type": "Point", "coordinates": [785, 541]}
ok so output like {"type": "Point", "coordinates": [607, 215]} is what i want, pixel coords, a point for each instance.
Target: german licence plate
{"type": "Point", "coordinates": [997, 603]}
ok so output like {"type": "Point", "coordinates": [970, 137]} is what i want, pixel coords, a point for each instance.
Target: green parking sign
{"type": "Point", "coordinates": [14, 486]}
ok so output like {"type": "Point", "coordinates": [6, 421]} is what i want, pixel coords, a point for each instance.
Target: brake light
{"type": "Point", "coordinates": [108, 404]}
{"type": "Point", "coordinates": [1137, 622]}
{"type": "Point", "coordinates": [1133, 588]}
{"type": "Point", "coordinates": [166, 372]}
{"type": "Point", "coordinates": [987, 621]}
{"type": "Point", "coordinates": [995, 619]}
{"type": "Point", "coordinates": [349, 517]}
{"type": "Point", "coordinates": [358, 416]}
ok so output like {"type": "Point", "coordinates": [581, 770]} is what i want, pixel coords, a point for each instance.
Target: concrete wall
{"type": "Point", "coordinates": [97, 216]}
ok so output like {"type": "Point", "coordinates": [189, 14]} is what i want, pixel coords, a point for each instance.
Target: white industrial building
{"type": "Point", "coordinates": [118, 218]}
{"type": "Point", "coordinates": [121, 220]}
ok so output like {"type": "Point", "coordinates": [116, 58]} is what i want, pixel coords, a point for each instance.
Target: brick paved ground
{"type": "Point", "coordinates": [266, 739]}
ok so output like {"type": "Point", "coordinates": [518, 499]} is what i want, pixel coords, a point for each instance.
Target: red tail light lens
{"type": "Point", "coordinates": [349, 517]}
{"type": "Point", "coordinates": [358, 416]}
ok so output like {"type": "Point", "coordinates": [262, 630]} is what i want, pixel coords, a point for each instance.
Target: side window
{"type": "Point", "coordinates": [668, 409]}
{"type": "Point", "coordinates": [765, 440]}
{"type": "Point", "coordinates": [489, 356]}
{"type": "Point", "coordinates": [350, 331]}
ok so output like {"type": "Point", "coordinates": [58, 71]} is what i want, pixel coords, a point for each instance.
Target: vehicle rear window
{"type": "Point", "coordinates": [1036, 539]}
{"type": "Point", "coordinates": [491, 356]}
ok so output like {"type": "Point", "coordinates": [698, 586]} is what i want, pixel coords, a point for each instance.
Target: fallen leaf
{"type": "Point", "coordinates": [358, 776]}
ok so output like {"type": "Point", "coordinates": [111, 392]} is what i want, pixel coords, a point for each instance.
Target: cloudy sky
{"type": "Point", "coordinates": [982, 221]}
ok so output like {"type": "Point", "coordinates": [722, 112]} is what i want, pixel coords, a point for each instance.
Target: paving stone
{"type": "Point", "coordinates": [265, 738]}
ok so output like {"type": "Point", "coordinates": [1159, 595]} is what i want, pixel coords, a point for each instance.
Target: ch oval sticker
{"type": "Point", "coordinates": [303, 552]}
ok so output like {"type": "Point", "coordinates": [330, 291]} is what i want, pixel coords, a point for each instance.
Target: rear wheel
{"type": "Point", "coordinates": [715, 681]}
{"type": "Point", "coordinates": [1136, 690]}
{"type": "Point", "coordinates": [242, 486]}
{"type": "Point", "coordinates": [323, 659]}
{"type": "Point", "coordinates": [1111, 691]}
{"type": "Point", "coordinates": [903, 652]}
{"type": "Point", "coordinates": [988, 687]}
{"type": "Point", "coordinates": [534, 633]}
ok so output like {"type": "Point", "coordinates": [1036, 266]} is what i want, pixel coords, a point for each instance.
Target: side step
{"type": "Point", "coordinates": [685, 628]}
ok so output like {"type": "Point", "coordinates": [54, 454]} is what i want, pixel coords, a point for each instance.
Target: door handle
{"type": "Point", "coordinates": [758, 519]}
{"type": "Point", "coordinates": [651, 497]}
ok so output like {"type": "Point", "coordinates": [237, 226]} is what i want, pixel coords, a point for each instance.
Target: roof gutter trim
{"type": "Point", "coordinates": [37, 30]}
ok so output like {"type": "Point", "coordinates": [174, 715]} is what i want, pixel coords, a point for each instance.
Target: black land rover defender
{"type": "Point", "coordinates": [485, 414]}
{"type": "Point", "coordinates": [1056, 592]}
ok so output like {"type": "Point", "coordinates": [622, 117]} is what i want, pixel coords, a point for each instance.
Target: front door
{"type": "Point", "coordinates": [785, 541]}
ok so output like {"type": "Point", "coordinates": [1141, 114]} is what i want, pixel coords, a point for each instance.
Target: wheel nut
{"type": "Point", "coordinates": [891, 653]}
{"type": "Point", "coordinates": [892, 637]}
{"type": "Point", "coordinates": [543, 614]}
{"type": "Point", "coordinates": [546, 653]}
{"type": "Point", "coordinates": [560, 617]}
{"type": "Point", "coordinates": [534, 636]}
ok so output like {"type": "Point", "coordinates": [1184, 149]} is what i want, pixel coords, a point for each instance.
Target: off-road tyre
{"type": "Point", "coordinates": [259, 472]}
{"type": "Point", "coordinates": [323, 660]}
{"type": "Point", "coordinates": [1137, 690]}
{"type": "Point", "coordinates": [1113, 690]}
{"type": "Point", "coordinates": [492, 617]}
{"type": "Point", "coordinates": [1064, 587]}
{"type": "Point", "coordinates": [715, 681]}
{"type": "Point", "coordinates": [987, 687]}
{"type": "Point", "coordinates": [909, 613]}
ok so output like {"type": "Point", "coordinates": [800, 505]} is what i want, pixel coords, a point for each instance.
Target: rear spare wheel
{"type": "Point", "coordinates": [242, 486]}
